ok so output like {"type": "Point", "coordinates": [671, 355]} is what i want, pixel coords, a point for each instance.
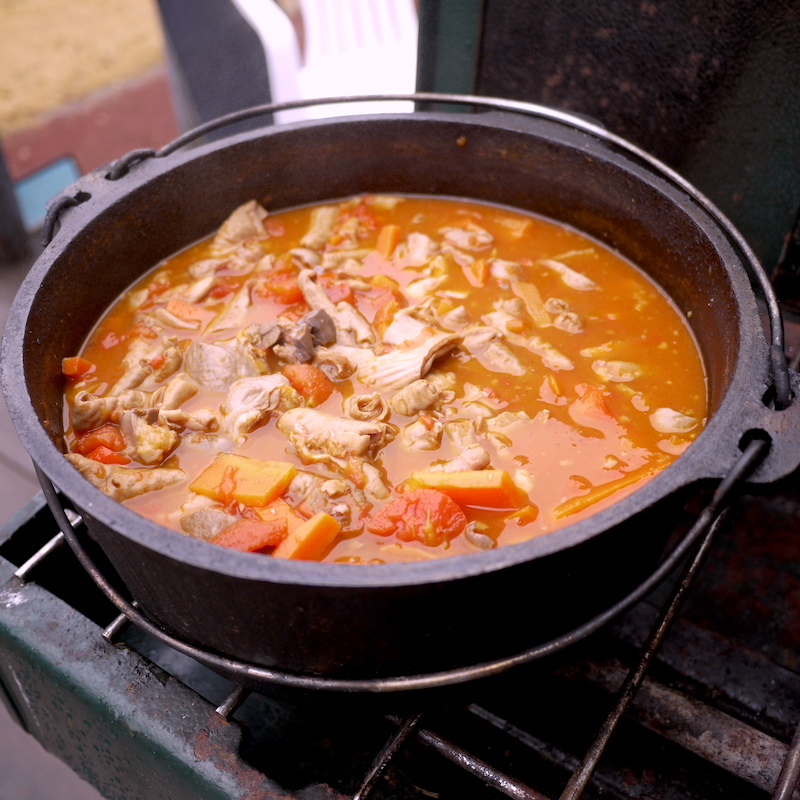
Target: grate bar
{"type": "Point", "coordinates": [476, 766]}
{"type": "Point", "coordinates": [581, 777]}
{"type": "Point", "coordinates": [229, 705]}
{"type": "Point", "coordinates": [43, 552]}
{"type": "Point", "coordinates": [384, 758]}
{"type": "Point", "coordinates": [40, 555]}
{"type": "Point", "coordinates": [716, 511]}
{"type": "Point", "coordinates": [787, 780]}
{"type": "Point", "coordinates": [112, 632]}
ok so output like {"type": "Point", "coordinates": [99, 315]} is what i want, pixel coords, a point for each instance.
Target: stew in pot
{"type": "Point", "coordinates": [381, 379]}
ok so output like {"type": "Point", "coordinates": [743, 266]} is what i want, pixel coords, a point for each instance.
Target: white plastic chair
{"type": "Point", "coordinates": [351, 47]}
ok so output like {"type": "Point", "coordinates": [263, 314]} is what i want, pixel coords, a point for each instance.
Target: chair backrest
{"type": "Point", "coordinates": [350, 47]}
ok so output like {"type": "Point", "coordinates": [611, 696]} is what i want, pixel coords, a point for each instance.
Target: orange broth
{"type": "Point", "coordinates": [584, 434]}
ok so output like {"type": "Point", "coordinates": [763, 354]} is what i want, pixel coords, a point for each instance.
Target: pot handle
{"type": "Point", "coordinates": [782, 393]}
{"type": "Point", "coordinates": [704, 527]}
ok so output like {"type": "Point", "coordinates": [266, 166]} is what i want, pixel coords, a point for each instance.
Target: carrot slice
{"type": "Point", "coordinates": [76, 367]}
{"type": "Point", "coordinates": [387, 240]}
{"type": "Point", "coordinates": [280, 509]}
{"type": "Point", "coordinates": [490, 488]}
{"type": "Point", "coordinates": [598, 493]}
{"type": "Point", "coordinates": [311, 540]}
{"type": "Point", "coordinates": [254, 482]}
{"type": "Point", "coordinates": [251, 535]}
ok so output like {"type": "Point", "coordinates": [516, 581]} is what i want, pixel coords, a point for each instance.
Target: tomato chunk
{"type": "Point", "coordinates": [279, 285]}
{"type": "Point", "coordinates": [425, 515]}
{"type": "Point", "coordinates": [106, 456]}
{"type": "Point", "coordinates": [309, 381]}
{"type": "Point", "coordinates": [108, 435]}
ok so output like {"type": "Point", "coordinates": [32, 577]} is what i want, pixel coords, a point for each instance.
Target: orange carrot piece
{"type": "Point", "coordinates": [309, 381]}
{"type": "Point", "coordinates": [76, 367]}
{"type": "Point", "coordinates": [387, 240]}
{"type": "Point", "coordinates": [598, 493]}
{"type": "Point", "coordinates": [254, 482]}
{"type": "Point", "coordinates": [311, 540]}
{"type": "Point", "coordinates": [525, 515]}
{"type": "Point", "coordinates": [489, 488]}
{"type": "Point", "coordinates": [280, 509]}
{"type": "Point", "coordinates": [251, 535]}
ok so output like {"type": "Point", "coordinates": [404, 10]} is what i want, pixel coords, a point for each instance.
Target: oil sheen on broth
{"type": "Point", "coordinates": [383, 379]}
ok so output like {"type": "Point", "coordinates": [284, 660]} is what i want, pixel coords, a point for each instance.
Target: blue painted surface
{"type": "Point", "coordinates": [34, 191]}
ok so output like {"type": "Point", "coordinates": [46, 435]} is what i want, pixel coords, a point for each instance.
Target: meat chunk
{"type": "Point", "coordinates": [418, 396]}
{"type": "Point", "coordinates": [234, 311]}
{"type": "Point", "coordinates": [121, 483]}
{"type": "Point", "coordinates": [470, 237]}
{"type": "Point", "coordinates": [423, 434]}
{"type": "Point", "coordinates": [488, 346]}
{"type": "Point", "coordinates": [148, 442]}
{"type": "Point", "coordinates": [141, 360]}
{"type": "Point", "coordinates": [404, 365]}
{"type": "Point", "coordinates": [323, 219]}
{"type": "Point", "coordinates": [90, 411]}
{"type": "Point", "coordinates": [319, 437]}
{"type": "Point", "coordinates": [343, 444]}
{"type": "Point", "coordinates": [366, 407]}
{"type": "Point", "coordinates": [351, 327]}
{"type": "Point", "coordinates": [206, 522]}
{"type": "Point", "coordinates": [474, 457]}
{"type": "Point", "coordinates": [572, 278]}
{"type": "Point", "coordinates": [251, 401]}
{"type": "Point", "coordinates": [245, 222]}
{"type": "Point", "coordinates": [217, 365]}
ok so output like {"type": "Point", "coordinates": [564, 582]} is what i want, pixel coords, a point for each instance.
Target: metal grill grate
{"type": "Point", "coordinates": [520, 735]}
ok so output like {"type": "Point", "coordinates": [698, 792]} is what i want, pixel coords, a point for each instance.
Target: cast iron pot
{"type": "Point", "coordinates": [361, 627]}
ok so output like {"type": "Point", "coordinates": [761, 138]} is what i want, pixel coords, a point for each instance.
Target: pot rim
{"type": "Point", "coordinates": [694, 465]}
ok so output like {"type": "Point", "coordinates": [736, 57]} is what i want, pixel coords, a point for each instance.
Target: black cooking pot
{"type": "Point", "coordinates": [343, 622]}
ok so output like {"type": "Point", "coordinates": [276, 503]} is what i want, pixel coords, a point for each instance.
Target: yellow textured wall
{"type": "Point", "coordinates": [54, 52]}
